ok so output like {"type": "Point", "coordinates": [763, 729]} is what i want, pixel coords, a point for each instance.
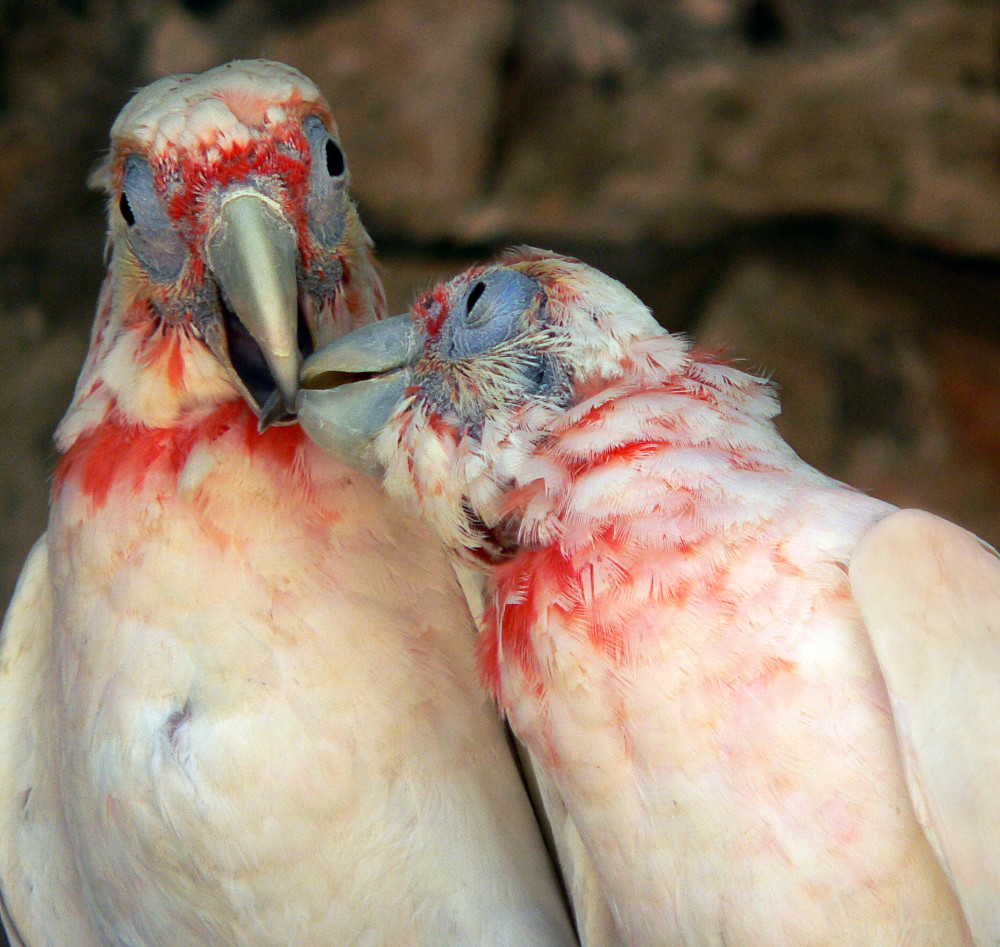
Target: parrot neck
{"type": "Point", "coordinates": [668, 431]}
{"type": "Point", "coordinates": [647, 492]}
{"type": "Point", "coordinates": [120, 454]}
{"type": "Point", "coordinates": [655, 442]}
{"type": "Point", "coordinates": [142, 368]}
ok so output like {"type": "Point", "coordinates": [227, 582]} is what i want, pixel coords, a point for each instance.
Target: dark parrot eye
{"type": "Point", "coordinates": [335, 164]}
{"type": "Point", "coordinates": [155, 240]}
{"type": "Point", "coordinates": [491, 311]}
{"type": "Point", "coordinates": [126, 210]}
{"type": "Point", "coordinates": [326, 203]}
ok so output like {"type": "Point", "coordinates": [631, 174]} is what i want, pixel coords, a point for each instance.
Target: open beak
{"type": "Point", "coordinates": [252, 251]}
{"type": "Point", "coordinates": [352, 387]}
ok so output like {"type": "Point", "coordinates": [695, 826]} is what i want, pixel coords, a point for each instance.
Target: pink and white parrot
{"type": "Point", "coordinates": [238, 697]}
{"type": "Point", "coordinates": [769, 704]}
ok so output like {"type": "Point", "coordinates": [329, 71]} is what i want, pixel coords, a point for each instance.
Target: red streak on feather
{"type": "Point", "coordinates": [625, 455]}
{"type": "Point", "coordinates": [772, 666]}
{"type": "Point", "coordinates": [717, 355]}
{"type": "Point", "coordinates": [175, 365]}
{"type": "Point", "coordinates": [432, 309]}
{"type": "Point", "coordinates": [160, 350]}
{"type": "Point", "coordinates": [517, 499]}
{"type": "Point", "coordinates": [119, 453]}
{"type": "Point", "coordinates": [139, 312]}
{"type": "Point", "coordinates": [533, 580]}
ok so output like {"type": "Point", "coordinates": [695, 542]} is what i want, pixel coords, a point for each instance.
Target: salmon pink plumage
{"type": "Point", "coordinates": [765, 702]}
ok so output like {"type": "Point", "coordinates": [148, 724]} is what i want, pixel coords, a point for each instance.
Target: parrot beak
{"type": "Point", "coordinates": [252, 250]}
{"type": "Point", "coordinates": [352, 387]}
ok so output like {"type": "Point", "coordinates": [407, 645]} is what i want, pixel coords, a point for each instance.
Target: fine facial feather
{"type": "Point", "coordinates": [670, 627]}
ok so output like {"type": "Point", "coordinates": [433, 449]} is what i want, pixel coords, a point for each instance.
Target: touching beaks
{"type": "Point", "coordinates": [252, 252]}
{"type": "Point", "coordinates": [351, 387]}
{"type": "Point", "coordinates": [376, 347]}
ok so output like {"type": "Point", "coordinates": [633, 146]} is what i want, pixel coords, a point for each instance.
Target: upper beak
{"type": "Point", "coordinates": [252, 251]}
{"type": "Point", "coordinates": [352, 387]}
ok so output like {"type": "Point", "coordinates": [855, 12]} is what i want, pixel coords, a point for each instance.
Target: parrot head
{"type": "Point", "coordinates": [234, 247]}
{"type": "Point", "coordinates": [452, 400]}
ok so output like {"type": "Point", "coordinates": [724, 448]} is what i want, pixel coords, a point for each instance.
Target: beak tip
{"type": "Point", "coordinates": [276, 408]}
{"type": "Point", "coordinates": [285, 371]}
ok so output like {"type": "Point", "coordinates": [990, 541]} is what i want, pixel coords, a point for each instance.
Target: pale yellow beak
{"type": "Point", "coordinates": [252, 252]}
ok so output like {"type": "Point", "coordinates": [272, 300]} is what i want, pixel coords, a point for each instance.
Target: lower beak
{"type": "Point", "coordinates": [351, 388]}
{"type": "Point", "coordinates": [252, 252]}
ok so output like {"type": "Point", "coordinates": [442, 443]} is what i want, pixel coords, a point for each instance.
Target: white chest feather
{"type": "Point", "coordinates": [268, 709]}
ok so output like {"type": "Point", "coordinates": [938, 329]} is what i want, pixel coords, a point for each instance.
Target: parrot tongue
{"type": "Point", "coordinates": [351, 388]}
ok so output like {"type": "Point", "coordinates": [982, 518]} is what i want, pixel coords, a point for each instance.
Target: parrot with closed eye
{"type": "Point", "coordinates": [238, 700]}
{"type": "Point", "coordinates": [768, 704]}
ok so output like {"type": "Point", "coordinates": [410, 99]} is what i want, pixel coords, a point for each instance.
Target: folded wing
{"type": "Point", "coordinates": [929, 593]}
{"type": "Point", "coordinates": [42, 905]}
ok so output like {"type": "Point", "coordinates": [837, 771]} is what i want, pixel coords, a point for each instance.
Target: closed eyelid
{"type": "Point", "coordinates": [489, 311]}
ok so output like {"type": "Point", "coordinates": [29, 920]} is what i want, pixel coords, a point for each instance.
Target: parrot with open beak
{"type": "Point", "coordinates": [768, 704]}
{"type": "Point", "coordinates": [238, 699]}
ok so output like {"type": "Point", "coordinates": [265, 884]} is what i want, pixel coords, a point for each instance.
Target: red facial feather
{"type": "Point", "coordinates": [189, 176]}
{"type": "Point", "coordinates": [175, 365]}
{"type": "Point", "coordinates": [431, 310]}
{"type": "Point", "coordinates": [160, 351]}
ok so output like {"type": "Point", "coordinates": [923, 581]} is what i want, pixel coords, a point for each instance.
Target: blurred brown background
{"type": "Point", "coordinates": [813, 184]}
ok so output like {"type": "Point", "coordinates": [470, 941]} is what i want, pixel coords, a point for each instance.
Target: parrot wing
{"type": "Point", "coordinates": [929, 593]}
{"type": "Point", "coordinates": [41, 905]}
{"type": "Point", "coordinates": [592, 914]}
{"type": "Point", "coordinates": [595, 921]}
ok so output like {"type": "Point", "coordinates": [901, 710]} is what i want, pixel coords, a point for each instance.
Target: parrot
{"type": "Point", "coordinates": [238, 695]}
{"type": "Point", "coordinates": [768, 704]}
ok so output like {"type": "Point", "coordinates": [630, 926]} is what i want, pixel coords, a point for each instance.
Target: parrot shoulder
{"type": "Point", "coordinates": [929, 594]}
{"type": "Point", "coordinates": [41, 900]}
